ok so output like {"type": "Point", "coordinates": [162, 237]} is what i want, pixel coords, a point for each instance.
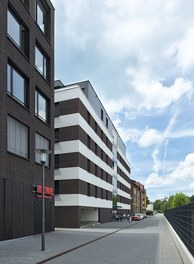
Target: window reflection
{"type": "Point", "coordinates": [17, 32]}
{"type": "Point", "coordinates": [17, 85]}
{"type": "Point", "coordinates": [41, 62]}
{"type": "Point", "coordinates": [43, 17]}
{"type": "Point", "coordinates": [13, 28]}
{"type": "Point", "coordinates": [41, 107]}
{"type": "Point", "coordinates": [40, 18]}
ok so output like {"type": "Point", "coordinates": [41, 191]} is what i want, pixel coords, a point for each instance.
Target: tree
{"type": "Point", "coordinates": [191, 199]}
{"type": "Point", "coordinates": [157, 205]}
{"type": "Point", "coordinates": [164, 204]}
{"type": "Point", "coordinates": [147, 200]}
{"type": "Point", "coordinates": [114, 200]}
{"type": "Point", "coordinates": [170, 203]}
{"type": "Point", "coordinates": [181, 199]}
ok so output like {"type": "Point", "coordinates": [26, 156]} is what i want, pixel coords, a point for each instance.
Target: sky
{"type": "Point", "coordinates": [139, 57]}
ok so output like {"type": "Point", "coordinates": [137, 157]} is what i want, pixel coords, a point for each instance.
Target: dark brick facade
{"type": "Point", "coordinates": [18, 174]}
{"type": "Point", "coordinates": [69, 216]}
{"type": "Point", "coordinates": [82, 187]}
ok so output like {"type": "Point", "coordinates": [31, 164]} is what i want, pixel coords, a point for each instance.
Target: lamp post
{"type": "Point", "coordinates": [43, 155]}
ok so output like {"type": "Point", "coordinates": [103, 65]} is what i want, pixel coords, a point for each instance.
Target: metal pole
{"type": "Point", "coordinates": [43, 209]}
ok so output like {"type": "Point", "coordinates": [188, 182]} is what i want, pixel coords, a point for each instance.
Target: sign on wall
{"type": "Point", "coordinates": [48, 191]}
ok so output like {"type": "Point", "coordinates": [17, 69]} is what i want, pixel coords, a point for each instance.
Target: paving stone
{"type": "Point", "coordinates": [145, 242]}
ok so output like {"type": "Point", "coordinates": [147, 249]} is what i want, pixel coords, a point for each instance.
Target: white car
{"type": "Point", "coordinates": [141, 216]}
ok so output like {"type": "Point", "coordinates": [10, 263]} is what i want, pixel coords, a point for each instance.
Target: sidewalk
{"type": "Point", "coordinates": [148, 241]}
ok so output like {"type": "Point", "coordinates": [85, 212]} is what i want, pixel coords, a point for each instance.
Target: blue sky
{"type": "Point", "coordinates": [139, 57]}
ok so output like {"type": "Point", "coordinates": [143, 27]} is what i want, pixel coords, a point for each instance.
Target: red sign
{"type": "Point", "coordinates": [48, 191]}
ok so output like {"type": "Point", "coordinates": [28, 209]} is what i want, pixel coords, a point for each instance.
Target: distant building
{"type": "Point", "coordinates": [150, 207]}
{"type": "Point", "coordinates": [138, 193]}
{"type": "Point", "coordinates": [26, 109]}
{"type": "Point", "coordinates": [90, 159]}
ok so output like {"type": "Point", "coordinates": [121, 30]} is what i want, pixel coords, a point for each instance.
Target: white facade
{"type": "Point", "coordinates": [78, 174]}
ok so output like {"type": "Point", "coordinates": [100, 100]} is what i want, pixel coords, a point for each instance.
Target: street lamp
{"type": "Point", "coordinates": [43, 155]}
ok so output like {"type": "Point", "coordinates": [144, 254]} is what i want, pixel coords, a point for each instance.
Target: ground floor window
{"type": "Point", "coordinates": [17, 137]}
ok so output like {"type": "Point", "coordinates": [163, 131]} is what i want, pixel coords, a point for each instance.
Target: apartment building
{"type": "Point", "coordinates": [26, 110]}
{"type": "Point", "coordinates": [90, 159]}
{"type": "Point", "coordinates": [138, 193]}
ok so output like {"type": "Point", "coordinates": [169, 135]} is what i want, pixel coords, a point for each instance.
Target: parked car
{"type": "Point", "coordinates": [149, 212]}
{"type": "Point", "coordinates": [135, 217]}
{"type": "Point", "coordinates": [141, 216]}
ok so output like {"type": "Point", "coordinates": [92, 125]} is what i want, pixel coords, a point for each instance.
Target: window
{"type": "Point", "coordinates": [96, 149]}
{"type": "Point", "coordinates": [57, 135]}
{"type": "Point", "coordinates": [106, 141]}
{"type": "Point", "coordinates": [102, 194]}
{"type": "Point", "coordinates": [102, 173]}
{"type": "Point", "coordinates": [106, 195]}
{"type": "Point", "coordinates": [106, 122]}
{"type": "Point", "coordinates": [96, 170]}
{"type": "Point", "coordinates": [56, 161]}
{"type": "Point", "coordinates": [57, 109]}
{"type": "Point", "coordinates": [96, 127]}
{"type": "Point", "coordinates": [88, 189]}
{"type": "Point", "coordinates": [42, 63]}
{"type": "Point", "coordinates": [107, 177]}
{"type": "Point", "coordinates": [107, 159]}
{"type": "Point", "coordinates": [17, 32]}
{"type": "Point", "coordinates": [57, 187]}
{"type": "Point", "coordinates": [88, 165]}
{"type": "Point", "coordinates": [96, 191]}
{"type": "Point", "coordinates": [88, 118]}
{"type": "Point", "coordinates": [17, 137]}
{"type": "Point", "coordinates": [88, 142]}
{"type": "Point", "coordinates": [41, 143]}
{"type": "Point", "coordinates": [102, 154]}
{"type": "Point", "coordinates": [17, 85]}
{"type": "Point", "coordinates": [102, 114]}
{"type": "Point", "coordinates": [42, 17]}
{"type": "Point", "coordinates": [101, 135]}
{"type": "Point", "coordinates": [41, 106]}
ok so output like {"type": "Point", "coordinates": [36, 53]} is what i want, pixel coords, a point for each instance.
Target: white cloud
{"type": "Point", "coordinates": [148, 94]}
{"type": "Point", "coordinates": [183, 171]}
{"type": "Point", "coordinates": [132, 134]}
{"type": "Point", "coordinates": [181, 133]}
{"type": "Point", "coordinates": [118, 32]}
{"type": "Point", "coordinates": [150, 137]}
{"type": "Point", "coordinates": [152, 94]}
{"type": "Point", "coordinates": [156, 161]}
{"type": "Point", "coordinates": [154, 180]}
{"type": "Point", "coordinates": [185, 56]}
{"type": "Point", "coordinates": [191, 185]}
